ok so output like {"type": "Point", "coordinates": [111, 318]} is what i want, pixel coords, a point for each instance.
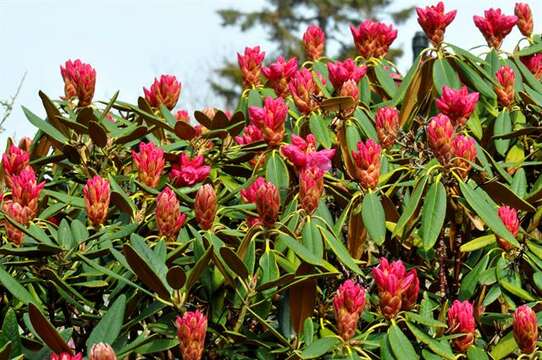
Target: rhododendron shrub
{"type": "Point", "coordinates": [340, 211]}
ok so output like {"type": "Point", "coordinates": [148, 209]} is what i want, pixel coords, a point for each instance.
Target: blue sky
{"type": "Point", "coordinates": [131, 42]}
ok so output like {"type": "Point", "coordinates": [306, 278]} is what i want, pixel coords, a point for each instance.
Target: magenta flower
{"type": "Point", "coordinates": [302, 153]}
{"type": "Point", "coordinates": [440, 133]}
{"type": "Point", "coordinates": [191, 330]}
{"type": "Point", "coordinates": [509, 217]}
{"type": "Point", "coordinates": [387, 125]}
{"type": "Point", "coordinates": [342, 71]}
{"type": "Point", "coordinates": [311, 188]}
{"type": "Point", "coordinates": [189, 171]}
{"type": "Point", "coordinates": [494, 25]}
{"type": "Point", "coordinates": [534, 64]}
{"type": "Point", "coordinates": [279, 73]}
{"type": "Point", "coordinates": [270, 119]}
{"type": "Point", "coordinates": [525, 18]}
{"type": "Point", "coordinates": [79, 81]}
{"type": "Point", "coordinates": [434, 21]}
{"type": "Point", "coordinates": [250, 63]}
{"type": "Point", "coordinates": [348, 302]}
{"type": "Point", "coordinates": [461, 321]}
{"type": "Point", "coordinates": [314, 41]}
{"type": "Point", "coordinates": [97, 193]}
{"type": "Point", "coordinates": [505, 90]}
{"type": "Point", "coordinates": [464, 153]}
{"type": "Point", "coordinates": [457, 104]}
{"type": "Point", "coordinates": [303, 88]}
{"type": "Point", "coordinates": [367, 163]}
{"type": "Point", "coordinates": [169, 218]}
{"type": "Point", "coordinates": [395, 285]}
{"type": "Point", "coordinates": [525, 329]}
{"type": "Point", "coordinates": [164, 91]}
{"type": "Point", "coordinates": [14, 161]}
{"type": "Point", "coordinates": [150, 163]}
{"type": "Point", "coordinates": [251, 134]}
{"type": "Point", "coordinates": [26, 190]}
{"type": "Point", "coordinates": [372, 38]}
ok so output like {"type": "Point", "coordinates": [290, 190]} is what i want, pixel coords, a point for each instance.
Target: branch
{"type": "Point", "coordinates": [8, 104]}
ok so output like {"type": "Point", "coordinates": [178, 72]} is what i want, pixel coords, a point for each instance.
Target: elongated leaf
{"type": "Point", "coordinates": [340, 250]}
{"type": "Point", "coordinates": [437, 347]}
{"type": "Point", "coordinates": [411, 206]}
{"type": "Point", "coordinates": [312, 239]}
{"type": "Point", "coordinates": [108, 328]}
{"type": "Point", "coordinates": [385, 80]}
{"type": "Point", "coordinates": [302, 297]}
{"type": "Point", "coordinates": [10, 334]}
{"type": "Point", "coordinates": [144, 272]}
{"type": "Point", "coordinates": [444, 74]}
{"type": "Point", "coordinates": [475, 81]}
{"type": "Point", "coordinates": [234, 263]}
{"type": "Point", "coordinates": [433, 214]}
{"type": "Point", "coordinates": [305, 254]}
{"type": "Point", "coordinates": [319, 127]}
{"type": "Point", "coordinates": [400, 345]}
{"type": "Point", "coordinates": [478, 243]}
{"type": "Point", "coordinates": [320, 347]}
{"type": "Point", "coordinates": [46, 331]}
{"type": "Point", "coordinates": [504, 347]}
{"type": "Point", "coordinates": [44, 126]}
{"type": "Point", "coordinates": [15, 288]}
{"type": "Point", "coordinates": [503, 125]}
{"type": "Point", "coordinates": [374, 217]}
{"type": "Point", "coordinates": [488, 214]}
{"type": "Point", "coordinates": [277, 172]}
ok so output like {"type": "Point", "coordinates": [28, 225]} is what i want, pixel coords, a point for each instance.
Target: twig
{"type": "Point", "coordinates": [8, 104]}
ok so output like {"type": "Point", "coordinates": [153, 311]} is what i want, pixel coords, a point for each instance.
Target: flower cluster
{"type": "Point", "coordinates": [79, 81]}
{"type": "Point", "coordinates": [373, 39]}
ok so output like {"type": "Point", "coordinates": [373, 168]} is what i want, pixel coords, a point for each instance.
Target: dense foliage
{"type": "Point", "coordinates": [341, 211]}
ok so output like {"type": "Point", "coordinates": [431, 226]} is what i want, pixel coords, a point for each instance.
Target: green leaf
{"type": "Point", "coordinates": [506, 346]}
{"type": "Point", "coordinates": [44, 126]}
{"type": "Point", "coordinates": [277, 172]}
{"type": "Point", "coordinates": [340, 250]}
{"type": "Point", "coordinates": [476, 200]}
{"type": "Point", "coordinates": [475, 353]}
{"type": "Point", "coordinates": [15, 288]}
{"type": "Point", "coordinates": [469, 282]}
{"type": "Point", "coordinates": [401, 346]}
{"type": "Point", "coordinates": [411, 206]}
{"type": "Point", "coordinates": [476, 81]}
{"type": "Point", "coordinates": [374, 217]}
{"type": "Point", "coordinates": [300, 250]}
{"type": "Point", "coordinates": [444, 74]}
{"type": "Point", "coordinates": [312, 239]}
{"type": "Point", "coordinates": [319, 127]}
{"type": "Point", "coordinates": [433, 214]}
{"type": "Point", "coordinates": [437, 347]}
{"type": "Point", "coordinates": [10, 333]}
{"type": "Point", "coordinates": [424, 320]}
{"type": "Point", "coordinates": [503, 125]}
{"type": "Point", "coordinates": [478, 243]}
{"type": "Point", "coordinates": [320, 347]}
{"type": "Point", "coordinates": [385, 80]}
{"type": "Point", "coordinates": [108, 329]}
{"type": "Point", "coordinates": [386, 352]}
{"type": "Point", "coordinates": [365, 124]}
{"type": "Point", "coordinates": [528, 75]}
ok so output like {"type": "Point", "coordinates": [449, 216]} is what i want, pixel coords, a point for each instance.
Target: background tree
{"type": "Point", "coordinates": [285, 21]}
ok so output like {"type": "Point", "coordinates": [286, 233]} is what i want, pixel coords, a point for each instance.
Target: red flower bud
{"type": "Point", "coordinates": [14, 161]}
{"type": "Point", "coordinates": [509, 217]}
{"type": "Point", "coordinates": [495, 26]}
{"type": "Point", "coordinates": [249, 195]}
{"type": "Point", "coordinates": [372, 38]}
{"type": "Point", "coordinates": [96, 194]}
{"type": "Point", "coordinates": [279, 73]}
{"type": "Point", "coordinates": [410, 295]}
{"type": "Point", "coordinates": [314, 41]}
{"type": "Point", "coordinates": [302, 153]}
{"type": "Point", "coordinates": [525, 18]}
{"type": "Point", "coordinates": [348, 303]}
{"type": "Point", "coordinates": [164, 91]}
{"type": "Point", "coordinates": [525, 329]}
{"type": "Point", "coordinates": [461, 321]}
{"type": "Point", "coordinates": [205, 206]}
{"type": "Point", "coordinates": [26, 190]}
{"type": "Point", "coordinates": [79, 81]}
{"type": "Point", "coordinates": [387, 125]}
{"type": "Point", "coordinates": [250, 64]}
{"type": "Point", "coordinates": [393, 284]}
{"type": "Point", "coordinates": [434, 21]}
{"type": "Point", "coordinates": [270, 119]}
{"type": "Point", "coordinates": [191, 329]}
{"type": "Point", "coordinates": [505, 91]}
{"type": "Point", "coordinates": [440, 133]}
{"type": "Point", "coordinates": [66, 356]}
{"type": "Point", "coordinates": [150, 163]}
{"type": "Point", "coordinates": [303, 88]}
{"type": "Point", "coordinates": [311, 188]}
{"type": "Point", "coordinates": [251, 134]}
{"type": "Point", "coordinates": [342, 71]}
{"type": "Point", "coordinates": [182, 115]}
{"type": "Point", "coordinates": [189, 171]}
{"type": "Point", "coordinates": [102, 351]}
{"type": "Point", "coordinates": [464, 153]}
{"type": "Point", "coordinates": [458, 104]}
{"type": "Point", "coordinates": [534, 64]}
{"type": "Point", "coordinates": [350, 88]}
{"type": "Point", "coordinates": [20, 214]}
{"type": "Point", "coordinates": [268, 203]}
{"type": "Point", "coordinates": [367, 162]}
{"type": "Point", "coordinates": [169, 218]}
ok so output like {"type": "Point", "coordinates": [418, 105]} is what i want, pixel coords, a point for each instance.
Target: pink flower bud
{"type": "Point", "coordinates": [534, 64]}
{"type": "Point", "coordinates": [20, 214]}
{"type": "Point", "coordinates": [251, 134]}
{"type": "Point", "coordinates": [372, 38]}
{"type": "Point", "coordinates": [440, 133]}
{"type": "Point", "coordinates": [495, 26]}
{"type": "Point", "coordinates": [182, 115]}
{"type": "Point", "coordinates": [189, 171]}
{"type": "Point", "coordinates": [505, 92]}
{"type": "Point", "coordinates": [434, 21]}
{"type": "Point", "coordinates": [102, 351]}
{"type": "Point", "coordinates": [66, 356]}
{"type": "Point", "coordinates": [250, 64]}
{"type": "Point", "coordinates": [191, 329]}
{"type": "Point", "coordinates": [205, 206]}
{"type": "Point", "coordinates": [150, 163]}
{"type": "Point", "coordinates": [525, 329]}
{"type": "Point", "coordinates": [509, 217]}
{"type": "Point", "coordinates": [314, 41]}
{"type": "Point", "coordinates": [464, 153]}
{"type": "Point", "coordinates": [367, 162]}
{"type": "Point", "coordinates": [461, 321]}
{"type": "Point", "coordinates": [270, 119]}
{"type": "Point", "coordinates": [387, 125]}
{"type": "Point", "coordinates": [525, 18]}
{"type": "Point", "coordinates": [14, 161]}
{"type": "Point", "coordinates": [26, 190]}
{"type": "Point", "coordinates": [348, 302]}
{"type": "Point", "coordinates": [79, 81]}
{"type": "Point", "coordinates": [169, 218]}
{"type": "Point", "coordinates": [249, 195]}
{"type": "Point", "coordinates": [410, 295]}
{"type": "Point", "coordinates": [302, 153]}
{"type": "Point", "coordinates": [268, 203]}
{"type": "Point", "coordinates": [393, 282]}
{"type": "Point", "coordinates": [342, 71]}
{"type": "Point", "coordinates": [311, 188]}
{"type": "Point", "coordinates": [303, 88]}
{"type": "Point", "coordinates": [279, 73]}
{"type": "Point", "coordinates": [96, 194]}
{"type": "Point", "coordinates": [350, 88]}
{"type": "Point", "coordinates": [458, 104]}
{"type": "Point", "coordinates": [164, 91]}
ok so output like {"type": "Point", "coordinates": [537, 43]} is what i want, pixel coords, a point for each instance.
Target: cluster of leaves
{"type": "Point", "coordinates": [267, 291]}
